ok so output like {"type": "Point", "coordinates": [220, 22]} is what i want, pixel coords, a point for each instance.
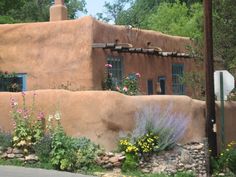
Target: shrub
{"type": "Point", "coordinates": [167, 125]}
{"type": "Point", "coordinates": [86, 153]}
{"type": "Point", "coordinates": [43, 148]}
{"type": "Point", "coordinates": [130, 163]}
{"type": "Point", "coordinates": [63, 150]}
{"type": "Point", "coordinates": [28, 127]}
{"type": "Point", "coordinates": [129, 85]}
{"type": "Point", "coordinates": [155, 130]}
{"type": "Point", "coordinates": [5, 140]}
{"type": "Point", "coordinates": [225, 163]}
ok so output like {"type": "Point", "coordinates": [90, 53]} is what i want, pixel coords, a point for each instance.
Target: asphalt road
{"type": "Point", "coordinates": [10, 171]}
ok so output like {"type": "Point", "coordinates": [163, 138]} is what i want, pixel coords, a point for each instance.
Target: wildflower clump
{"type": "Point", "coordinates": [29, 127]}
{"type": "Point", "coordinates": [143, 146]}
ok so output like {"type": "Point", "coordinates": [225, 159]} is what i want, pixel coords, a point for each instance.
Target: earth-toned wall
{"type": "Point", "coordinates": [149, 66]}
{"type": "Point", "coordinates": [101, 115]}
{"type": "Point", "coordinates": [51, 53]}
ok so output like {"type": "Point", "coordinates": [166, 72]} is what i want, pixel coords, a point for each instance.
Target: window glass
{"type": "Point", "coordinates": [117, 68]}
{"type": "Point", "coordinates": [177, 86]}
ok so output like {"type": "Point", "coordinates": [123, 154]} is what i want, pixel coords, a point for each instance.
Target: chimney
{"type": "Point", "coordinates": [58, 11]}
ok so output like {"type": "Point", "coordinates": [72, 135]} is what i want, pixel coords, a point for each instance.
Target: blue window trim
{"type": "Point", "coordinates": [24, 78]}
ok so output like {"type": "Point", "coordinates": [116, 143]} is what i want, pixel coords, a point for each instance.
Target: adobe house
{"type": "Point", "coordinates": [71, 54]}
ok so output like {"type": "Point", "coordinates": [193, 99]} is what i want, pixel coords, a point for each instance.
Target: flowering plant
{"type": "Point", "coordinates": [28, 127]}
{"type": "Point", "coordinates": [143, 146]}
{"type": "Point", "coordinates": [226, 161]}
{"type": "Point", "coordinates": [129, 85]}
{"type": "Point", "coordinates": [108, 83]}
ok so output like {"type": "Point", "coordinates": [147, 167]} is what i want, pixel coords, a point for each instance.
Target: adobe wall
{"type": "Point", "coordinates": [101, 115]}
{"type": "Point", "coordinates": [51, 53]}
{"type": "Point", "coordinates": [150, 67]}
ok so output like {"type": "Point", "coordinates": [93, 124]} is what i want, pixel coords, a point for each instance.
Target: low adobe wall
{"type": "Point", "coordinates": [101, 115]}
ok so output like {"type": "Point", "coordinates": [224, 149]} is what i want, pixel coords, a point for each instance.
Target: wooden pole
{"type": "Point", "coordinates": [209, 74]}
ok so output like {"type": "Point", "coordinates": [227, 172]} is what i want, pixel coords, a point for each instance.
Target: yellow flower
{"type": "Point", "coordinates": [15, 138]}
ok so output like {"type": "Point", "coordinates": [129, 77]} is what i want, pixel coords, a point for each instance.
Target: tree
{"type": "Point", "coordinates": [224, 36]}
{"type": "Point", "coordinates": [35, 10]}
{"type": "Point", "coordinates": [113, 10]}
{"type": "Point", "coordinates": [177, 19]}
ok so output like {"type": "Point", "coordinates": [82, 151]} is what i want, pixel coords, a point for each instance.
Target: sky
{"type": "Point", "coordinates": [95, 6]}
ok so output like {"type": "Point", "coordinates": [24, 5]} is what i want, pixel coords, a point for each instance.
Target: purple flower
{"type": "Point", "coordinates": [41, 116]}
{"type": "Point", "coordinates": [138, 75]}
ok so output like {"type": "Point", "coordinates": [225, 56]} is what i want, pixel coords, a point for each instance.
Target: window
{"type": "Point", "coordinates": [15, 83]}
{"type": "Point", "coordinates": [177, 72]}
{"type": "Point", "coordinates": [117, 68]}
{"type": "Point", "coordinates": [162, 82]}
{"type": "Point", "coordinates": [150, 87]}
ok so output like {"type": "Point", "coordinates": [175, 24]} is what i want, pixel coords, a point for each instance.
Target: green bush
{"type": "Point", "coordinates": [86, 153]}
{"type": "Point", "coordinates": [63, 150]}
{"type": "Point", "coordinates": [130, 163]}
{"type": "Point", "coordinates": [5, 140]}
{"type": "Point", "coordinates": [225, 162]}
{"type": "Point", "coordinates": [43, 148]}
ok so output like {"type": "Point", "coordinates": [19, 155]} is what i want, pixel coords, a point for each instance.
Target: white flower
{"type": "Point", "coordinates": [50, 117]}
{"type": "Point", "coordinates": [57, 116]}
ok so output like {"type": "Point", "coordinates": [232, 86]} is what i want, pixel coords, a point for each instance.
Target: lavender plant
{"type": "Point", "coordinates": [168, 125]}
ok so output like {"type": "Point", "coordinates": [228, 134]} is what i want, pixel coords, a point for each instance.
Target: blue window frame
{"type": "Point", "coordinates": [162, 82]}
{"type": "Point", "coordinates": [177, 72]}
{"type": "Point", "coordinates": [150, 86]}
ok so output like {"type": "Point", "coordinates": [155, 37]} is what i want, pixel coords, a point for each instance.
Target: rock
{"type": "Point", "coordinates": [121, 158]}
{"type": "Point", "coordinates": [117, 170]}
{"type": "Point", "coordinates": [145, 170]}
{"type": "Point", "coordinates": [114, 159]}
{"type": "Point", "coordinates": [109, 165]}
{"type": "Point", "coordinates": [99, 161]}
{"type": "Point", "coordinates": [1, 152]}
{"type": "Point", "coordinates": [19, 155]}
{"type": "Point", "coordinates": [105, 158]}
{"type": "Point", "coordinates": [185, 157]}
{"type": "Point", "coordinates": [199, 147]}
{"type": "Point", "coordinates": [117, 164]}
{"type": "Point", "coordinates": [31, 157]}
{"type": "Point", "coordinates": [10, 156]}
{"type": "Point", "coordinates": [221, 174]}
{"type": "Point", "coordinates": [9, 150]}
{"type": "Point", "coordinates": [17, 151]}
{"type": "Point", "coordinates": [109, 154]}
{"type": "Point", "coordinates": [4, 155]}
{"type": "Point", "coordinates": [159, 169]}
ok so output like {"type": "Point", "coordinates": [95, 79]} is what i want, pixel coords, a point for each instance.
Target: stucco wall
{"type": "Point", "coordinates": [51, 53]}
{"type": "Point", "coordinates": [149, 66]}
{"type": "Point", "coordinates": [102, 115]}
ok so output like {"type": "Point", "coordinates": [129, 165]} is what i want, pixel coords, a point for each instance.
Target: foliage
{"type": "Point", "coordinates": [195, 81]}
{"type": "Point", "coordinates": [43, 148]}
{"type": "Point", "coordinates": [6, 19]}
{"type": "Point", "coordinates": [177, 19]}
{"type": "Point", "coordinates": [29, 128]}
{"type": "Point", "coordinates": [5, 140]}
{"type": "Point", "coordinates": [143, 146]}
{"type": "Point", "coordinates": [138, 173]}
{"type": "Point", "coordinates": [130, 163]}
{"type": "Point", "coordinates": [63, 151]}
{"type": "Point", "coordinates": [108, 83]}
{"type": "Point", "coordinates": [154, 131]}
{"type": "Point", "coordinates": [86, 154]}
{"type": "Point", "coordinates": [224, 24]}
{"type": "Point", "coordinates": [225, 163]}
{"type": "Point", "coordinates": [113, 10]}
{"type": "Point", "coordinates": [35, 10]}
{"type": "Point", "coordinates": [129, 85]}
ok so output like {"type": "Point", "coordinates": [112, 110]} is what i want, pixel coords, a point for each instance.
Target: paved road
{"type": "Point", "coordinates": [10, 171]}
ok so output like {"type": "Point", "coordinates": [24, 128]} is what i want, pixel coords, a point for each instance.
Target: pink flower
{"type": "Point", "coordinates": [13, 103]}
{"type": "Point", "coordinates": [118, 88]}
{"type": "Point", "coordinates": [19, 111]}
{"type": "Point", "coordinates": [125, 89]}
{"type": "Point", "coordinates": [138, 75]}
{"type": "Point", "coordinates": [108, 65]}
{"type": "Point", "coordinates": [41, 116]}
